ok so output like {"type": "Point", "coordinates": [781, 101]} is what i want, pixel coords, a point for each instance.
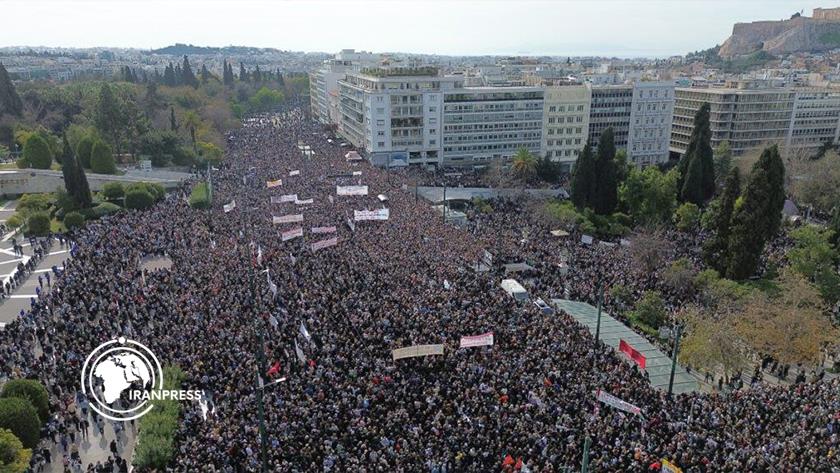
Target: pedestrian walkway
{"type": "Point", "coordinates": [658, 365]}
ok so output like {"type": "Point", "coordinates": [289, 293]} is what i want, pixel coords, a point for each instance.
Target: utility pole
{"type": "Point", "coordinates": [674, 359]}
{"type": "Point", "coordinates": [584, 466]}
{"type": "Point", "coordinates": [444, 202]}
{"type": "Point", "coordinates": [598, 322]}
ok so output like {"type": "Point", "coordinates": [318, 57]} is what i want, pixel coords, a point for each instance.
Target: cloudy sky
{"type": "Point", "coordinates": [558, 27]}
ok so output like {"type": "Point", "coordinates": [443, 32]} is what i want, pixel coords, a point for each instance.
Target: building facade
{"type": "Point", "coordinates": [611, 107]}
{"type": "Point", "coordinates": [323, 82]}
{"type": "Point", "coordinates": [815, 120]}
{"type": "Point", "coordinates": [648, 138]}
{"type": "Point", "coordinates": [484, 124]}
{"type": "Point", "coordinates": [745, 117]}
{"type": "Point", "coordinates": [565, 122]}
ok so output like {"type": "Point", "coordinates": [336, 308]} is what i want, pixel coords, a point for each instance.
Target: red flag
{"type": "Point", "coordinates": [275, 368]}
{"type": "Point", "coordinates": [508, 461]}
{"type": "Point", "coordinates": [634, 354]}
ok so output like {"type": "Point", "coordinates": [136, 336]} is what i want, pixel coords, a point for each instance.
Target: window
{"type": "Point", "coordinates": [432, 121]}
{"type": "Point", "coordinates": [381, 144]}
{"type": "Point", "coordinates": [432, 142]}
{"type": "Point", "coordinates": [552, 108]}
{"type": "Point", "coordinates": [380, 122]}
{"type": "Point", "coordinates": [432, 131]}
{"type": "Point", "coordinates": [379, 98]}
{"type": "Point", "coordinates": [432, 109]}
{"type": "Point", "coordinates": [380, 133]}
{"type": "Point", "coordinates": [380, 110]}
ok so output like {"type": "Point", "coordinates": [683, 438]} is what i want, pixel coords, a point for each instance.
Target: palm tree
{"type": "Point", "coordinates": [192, 121]}
{"type": "Point", "coordinates": [524, 164]}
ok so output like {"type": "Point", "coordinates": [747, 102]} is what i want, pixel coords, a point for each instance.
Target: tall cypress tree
{"type": "Point", "coordinates": [9, 99]}
{"type": "Point", "coordinates": [583, 178]}
{"type": "Point", "coordinates": [692, 189]}
{"type": "Point", "coordinates": [173, 125]}
{"type": "Point", "coordinates": [834, 225]}
{"type": "Point", "coordinates": [771, 162]}
{"type": "Point", "coordinates": [699, 148]}
{"type": "Point", "coordinates": [605, 195]}
{"type": "Point", "coordinates": [205, 74]}
{"type": "Point", "coordinates": [748, 227]}
{"type": "Point", "coordinates": [169, 75]}
{"type": "Point", "coordinates": [243, 74]}
{"type": "Point", "coordinates": [68, 169]}
{"type": "Point", "coordinates": [187, 76]}
{"type": "Point", "coordinates": [714, 249]}
{"type": "Point", "coordinates": [257, 76]}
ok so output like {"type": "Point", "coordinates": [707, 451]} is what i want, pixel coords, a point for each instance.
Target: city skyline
{"type": "Point", "coordinates": [554, 28]}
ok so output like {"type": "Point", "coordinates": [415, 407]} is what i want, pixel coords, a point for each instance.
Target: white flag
{"type": "Point", "coordinates": [294, 173]}
{"type": "Point", "coordinates": [228, 207]}
{"type": "Point", "coordinates": [299, 353]}
{"type": "Point", "coordinates": [273, 321]}
{"type": "Point", "coordinates": [259, 255]}
{"type": "Point", "coordinates": [304, 332]}
{"type": "Point", "coordinates": [292, 259]}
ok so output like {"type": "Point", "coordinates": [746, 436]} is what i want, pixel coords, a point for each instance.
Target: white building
{"type": "Point", "coordinates": [565, 122]}
{"type": "Point", "coordinates": [652, 111]}
{"type": "Point", "coordinates": [815, 120]}
{"type": "Point", "coordinates": [323, 82]}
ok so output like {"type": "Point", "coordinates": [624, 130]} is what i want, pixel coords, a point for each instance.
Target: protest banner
{"type": "Point", "coordinates": [378, 214]}
{"type": "Point", "coordinates": [228, 207]}
{"type": "Point", "coordinates": [351, 190]}
{"type": "Point", "coordinates": [294, 173]}
{"type": "Point", "coordinates": [304, 202]}
{"type": "Point", "coordinates": [617, 403]}
{"type": "Point", "coordinates": [417, 350]}
{"type": "Point", "coordinates": [634, 354]}
{"type": "Point", "coordinates": [323, 229]}
{"type": "Point", "coordinates": [288, 198]}
{"type": "Point", "coordinates": [485, 339]}
{"type": "Point", "coordinates": [292, 218]}
{"type": "Point", "coordinates": [586, 239]}
{"type": "Point", "coordinates": [668, 467]}
{"type": "Point", "coordinates": [288, 235]}
{"type": "Point", "coordinates": [357, 173]}
{"type": "Point", "coordinates": [270, 184]}
{"type": "Point", "coordinates": [324, 243]}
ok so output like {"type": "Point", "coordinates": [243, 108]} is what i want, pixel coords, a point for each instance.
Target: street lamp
{"type": "Point", "coordinates": [674, 358]}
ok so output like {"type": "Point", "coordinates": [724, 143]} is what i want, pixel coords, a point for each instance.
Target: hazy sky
{"type": "Point", "coordinates": [558, 27]}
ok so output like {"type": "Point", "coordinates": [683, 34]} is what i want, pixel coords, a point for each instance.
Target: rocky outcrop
{"type": "Point", "coordinates": [799, 34]}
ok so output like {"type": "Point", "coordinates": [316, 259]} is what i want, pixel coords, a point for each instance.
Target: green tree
{"type": "Point", "coordinates": [18, 416]}
{"type": "Point", "coordinates": [606, 182]}
{"type": "Point", "coordinates": [73, 220]}
{"type": "Point", "coordinates": [771, 162]}
{"type": "Point", "coordinates": [83, 150]}
{"type": "Point", "coordinates": [113, 191]}
{"type": "Point", "coordinates": [13, 457]}
{"type": "Point", "coordinates": [649, 195]}
{"type": "Point", "coordinates": [834, 225]}
{"type": "Point", "coordinates": [110, 118]}
{"type": "Point", "coordinates": [692, 189]}
{"type": "Point", "coordinates": [32, 391]}
{"type": "Point", "coordinates": [209, 152]}
{"type": "Point", "coordinates": [583, 178]}
{"type": "Point", "coordinates": [650, 310]}
{"type": "Point", "coordinates": [715, 247]}
{"type": "Point", "coordinates": [702, 185]}
{"type": "Point", "coordinates": [524, 164]}
{"type": "Point", "coordinates": [102, 159]}
{"type": "Point", "coordinates": [622, 167]}
{"type": "Point", "coordinates": [548, 170]}
{"type": "Point", "coordinates": [187, 75]}
{"type": "Point", "coordinates": [814, 257]}
{"type": "Point", "coordinates": [265, 100]}
{"type": "Point", "coordinates": [138, 199]}
{"type": "Point", "coordinates": [749, 225]}
{"type": "Point", "coordinates": [687, 216]}
{"type": "Point", "coordinates": [10, 102]}
{"type": "Point", "coordinates": [36, 152]}
{"type": "Point", "coordinates": [723, 161]}
{"type": "Point", "coordinates": [74, 177]}
{"type": "Point", "coordinates": [38, 224]}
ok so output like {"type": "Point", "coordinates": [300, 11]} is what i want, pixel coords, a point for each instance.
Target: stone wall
{"type": "Point", "coordinates": [827, 14]}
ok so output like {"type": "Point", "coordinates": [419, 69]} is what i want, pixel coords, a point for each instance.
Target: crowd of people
{"type": "Point", "coordinates": [328, 320]}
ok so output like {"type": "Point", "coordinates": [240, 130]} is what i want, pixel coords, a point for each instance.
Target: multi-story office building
{"type": "Point", "coordinates": [815, 120]}
{"type": "Point", "coordinates": [748, 118]}
{"type": "Point", "coordinates": [611, 107]}
{"type": "Point", "coordinates": [483, 124]}
{"type": "Point", "coordinates": [323, 82]}
{"type": "Point", "coordinates": [565, 122]}
{"type": "Point", "coordinates": [394, 115]}
{"type": "Point", "coordinates": [650, 122]}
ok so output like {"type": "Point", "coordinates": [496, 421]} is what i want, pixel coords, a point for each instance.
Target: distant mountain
{"type": "Point", "coordinates": [180, 49]}
{"type": "Point", "coordinates": [797, 34]}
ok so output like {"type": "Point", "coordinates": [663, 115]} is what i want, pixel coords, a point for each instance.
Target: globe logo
{"type": "Point", "coordinates": [118, 378]}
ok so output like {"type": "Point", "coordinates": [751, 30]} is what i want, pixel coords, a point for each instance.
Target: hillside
{"type": "Point", "coordinates": [180, 49]}
{"type": "Point", "coordinates": [797, 34]}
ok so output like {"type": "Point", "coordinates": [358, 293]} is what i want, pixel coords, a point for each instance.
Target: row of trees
{"type": "Point", "coordinates": [24, 409]}
{"type": "Point", "coordinates": [595, 179]}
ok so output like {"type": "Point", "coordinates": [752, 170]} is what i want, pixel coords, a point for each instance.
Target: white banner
{"type": "Point", "coordinates": [332, 201]}
{"type": "Point", "coordinates": [417, 350]}
{"type": "Point", "coordinates": [357, 173]}
{"type": "Point", "coordinates": [285, 198]}
{"type": "Point", "coordinates": [586, 239]}
{"type": "Point", "coordinates": [286, 236]}
{"type": "Point", "coordinates": [324, 243]}
{"type": "Point", "coordinates": [299, 353]}
{"type": "Point", "coordinates": [294, 173]}
{"type": "Point", "coordinates": [230, 206]}
{"type": "Point", "coordinates": [613, 401]}
{"type": "Point", "coordinates": [378, 214]}
{"type": "Point", "coordinates": [304, 202]}
{"type": "Point", "coordinates": [351, 190]}
{"type": "Point", "coordinates": [270, 184]}
{"type": "Point", "coordinates": [485, 339]}
{"type": "Point", "coordinates": [288, 218]}
{"type": "Point", "coordinates": [304, 332]}
{"type": "Point", "coordinates": [323, 229]}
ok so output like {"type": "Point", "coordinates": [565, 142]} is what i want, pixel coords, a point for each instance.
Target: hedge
{"type": "Point", "coordinates": [113, 191]}
{"type": "Point", "coordinates": [36, 152]}
{"type": "Point", "coordinates": [156, 437]}
{"type": "Point", "coordinates": [83, 150]}
{"type": "Point", "coordinates": [21, 418]}
{"type": "Point", "coordinates": [200, 196]}
{"type": "Point", "coordinates": [74, 220]}
{"type": "Point", "coordinates": [38, 224]}
{"type": "Point", "coordinates": [13, 457]}
{"type": "Point", "coordinates": [138, 199]}
{"type": "Point", "coordinates": [156, 190]}
{"type": "Point", "coordinates": [101, 159]}
{"type": "Point", "coordinates": [32, 391]}
{"type": "Point", "coordinates": [105, 208]}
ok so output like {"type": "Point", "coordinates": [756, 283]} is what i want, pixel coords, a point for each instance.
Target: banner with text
{"type": "Point", "coordinates": [613, 401]}
{"type": "Point", "coordinates": [230, 206]}
{"type": "Point", "coordinates": [293, 218]}
{"type": "Point", "coordinates": [351, 190]}
{"type": "Point", "coordinates": [485, 339]}
{"type": "Point", "coordinates": [297, 232]}
{"type": "Point", "coordinates": [323, 229]}
{"type": "Point", "coordinates": [304, 202]}
{"type": "Point", "coordinates": [378, 214]}
{"type": "Point", "coordinates": [324, 244]}
{"type": "Point", "coordinates": [294, 173]}
{"type": "Point", "coordinates": [634, 354]}
{"type": "Point", "coordinates": [270, 184]}
{"type": "Point", "coordinates": [417, 350]}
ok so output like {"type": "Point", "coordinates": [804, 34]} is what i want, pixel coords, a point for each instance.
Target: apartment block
{"type": "Point", "coordinates": [484, 124]}
{"type": "Point", "coordinates": [748, 118]}
{"type": "Point", "coordinates": [815, 120]}
{"type": "Point", "coordinates": [611, 107]}
{"type": "Point", "coordinates": [565, 122]}
{"type": "Point", "coordinates": [323, 82]}
{"type": "Point", "coordinates": [648, 138]}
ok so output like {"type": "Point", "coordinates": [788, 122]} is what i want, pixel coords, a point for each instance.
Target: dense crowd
{"type": "Point", "coordinates": [524, 404]}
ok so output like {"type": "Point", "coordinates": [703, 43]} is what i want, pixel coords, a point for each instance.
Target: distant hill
{"type": "Point", "coordinates": [797, 34]}
{"type": "Point", "coordinates": [180, 49]}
